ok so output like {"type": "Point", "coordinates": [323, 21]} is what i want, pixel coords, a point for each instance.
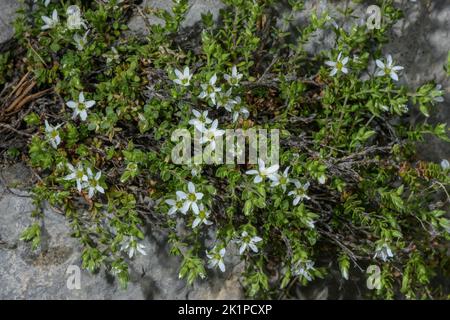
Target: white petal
{"type": "Point", "coordinates": [221, 266]}
{"type": "Point", "coordinates": [72, 104]}
{"type": "Point", "coordinates": [181, 195]}
{"type": "Point", "coordinates": [196, 222]}
{"type": "Point", "coordinates": [258, 179]}
{"type": "Point", "coordinates": [194, 207]}
{"type": "Point", "coordinates": [178, 74]}
{"type": "Point", "coordinates": [394, 76]}
{"type": "Point", "coordinates": [380, 64]}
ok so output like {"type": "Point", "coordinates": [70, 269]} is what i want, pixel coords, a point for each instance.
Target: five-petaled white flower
{"type": "Point", "coordinates": [80, 107]}
{"type": "Point", "coordinates": [200, 121]}
{"type": "Point", "coordinates": [234, 78]}
{"type": "Point", "coordinates": [281, 180]}
{"type": "Point", "coordinates": [50, 23]}
{"type": "Point", "coordinates": [190, 199]}
{"type": "Point", "coordinates": [78, 175]}
{"type": "Point", "coordinates": [210, 134]}
{"type": "Point", "coordinates": [201, 217]}
{"type": "Point", "coordinates": [264, 172]}
{"type": "Point", "coordinates": [247, 241]}
{"type": "Point", "coordinates": [183, 79]}
{"type": "Point", "coordinates": [80, 41]}
{"type": "Point", "coordinates": [445, 164]}
{"type": "Point", "coordinates": [237, 108]}
{"type": "Point", "coordinates": [383, 252]}
{"type": "Point", "coordinates": [210, 90]}
{"type": "Point", "coordinates": [53, 134]}
{"type": "Point", "coordinates": [303, 269]}
{"type": "Point", "coordinates": [387, 68]}
{"type": "Point", "coordinates": [93, 183]}
{"type": "Point", "coordinates": [339, 65]}
{"type": "Point", "coordinates": [215, 257]}
{"type": "Point", "coordinates": [175, 205]}
{"type": "Point", "coordinates": [132, 246]}
{"type": "Point", "coordinates": [74, 19]}
{"type": "Point", "coordinates": [299, 193]}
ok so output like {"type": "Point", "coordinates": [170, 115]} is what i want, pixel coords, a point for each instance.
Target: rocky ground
{"type": "Point", "coordinates": [420, 43]}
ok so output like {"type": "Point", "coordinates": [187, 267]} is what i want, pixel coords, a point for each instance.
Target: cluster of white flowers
{"type": "Point", "coordinates": [213, 93]}
{"type": "Point", "coordinates": [245, 241]}
{"type": "Point", "coordinates": [384, 68]}
{"type": "Point", "coordinates": [283, 180]}
{"type": "Point", "coordinates": [209, 135]}
{"type": "Point", "coordinates": [190, 201]}
{"type": "Point", "coordinates": [85, 179]}
{"type": "Point", "coordinates": [74, 19]}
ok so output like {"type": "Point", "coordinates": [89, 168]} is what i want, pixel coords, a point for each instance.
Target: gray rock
{"type": "Point", "coordinates": [42, 274]}
{"type": "Point", "coordinates": [138, 23]}
{"type": "Point", "coordinates": [8, 9]}
{"type": "Point", "coordinates": [421, 43]}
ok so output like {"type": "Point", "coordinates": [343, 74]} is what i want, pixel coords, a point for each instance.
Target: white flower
{"type": "Point", "coordinates": [132, 246]}
{"type": "Point", "coordinates": [264, 172]}
{"type": "Point", "coordinates": [201, 217]}
{"type": "Point", "coordinates": [80, 107]}
{"type": "Point", "coordinates": [281, 180]}
{"type": "Point", "coordinates": [77, 174]}
{"type": "Point", "coordinates": [183, 79]}
{"type": "Point", "coordinates": [74, 19]}
{"type": "Point", "coordinates": [300, 192]}
{"type": "Point", "coordinates": [210, 90]}
{"type": "Point", "coordinates": [234, 78]}
{"type": "Point", "coordinates": [200, 121]}
{"type": "Point", "coordinates": [338, 65]}
{"type": "Point", "coordinates": [224, 100]}
{"type": "Point", "coordinates": [176, 205]}
{"type": "Point", "coordinates": [438, 93]}
{"type": "Point", "coordinates": [237, 109]}
{"type": "Point", "coordinates": [215, 257]}
{"type": "Point", "coordinates": [383, 252]}
{"type": "Point", "coordinates": [46, 2]}
{"type": "Point", "coordinates": [246, 241]}
{"type": "Point", "coordinates": [445, 164]}
{"type": "Point", "coordinates": [112, 56]}
{"type": "Point", "coordinates": [53, 134]}
{"type": "Point", "coordinates": [190, 199]}
{"type": "Point", "coordinates": [80, 41]}
{"type": "Point", "coordinates": [50, 23]}
{"type": "Point", "coordinates": [209, 135]}
{"type": "Point", "coordinates": [322, 179]}
{"type": "Point", "coordinates": [196, 170]}
{"type": "Point", "coordinates": [387, 68]}
{"type": "Point", "coordinates": [93, 183]}
{"type": "Point", "coordinates": [303, 268]}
